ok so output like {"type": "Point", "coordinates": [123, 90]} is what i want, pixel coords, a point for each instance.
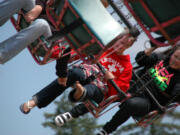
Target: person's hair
{"type": "Point", "coordinates": [171, 50]}
{"type": "Point", "coordinates": [167, 53]}
{"type": "Point", "coordinates": [178, 47]}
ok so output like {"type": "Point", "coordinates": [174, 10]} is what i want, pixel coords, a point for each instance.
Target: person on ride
{"type": "Point", "coordinates": [117, 63]}
{"type": "Point", "coordinates": [34, 11]}
{"type": "Point", "coordinates": [164, 83]}
{"type": "Point", "coordinates": [39, 25]}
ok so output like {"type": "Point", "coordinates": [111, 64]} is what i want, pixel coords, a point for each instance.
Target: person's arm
{"type": "Point", "coordinates": [147, 58]}
{"type": "Point", "coordinates": [33, 14]}
{"type": "Point", "coordinates": [108, 75]}
{"type": "Point", "coordinates": [176, 92]}
{"type": "Point", "coordinates": [105, 3]}
{"type": "Point", "coordinates": [61, 67]}
{"type": "Point", "coordinates": [36, 11]}
{"type": "Point", "coordinates": [149, 51]}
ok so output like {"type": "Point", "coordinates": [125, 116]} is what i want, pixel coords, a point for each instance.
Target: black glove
{"type": "Point", "coordinates": [62, 63]}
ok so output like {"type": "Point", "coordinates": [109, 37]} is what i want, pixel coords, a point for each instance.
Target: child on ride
{"type": "Point", "coordinates": [119, 69]}
{"type": "Point", "coordinates": [165, 86]}
{"type": "Point", "coordinates": [117, 63]}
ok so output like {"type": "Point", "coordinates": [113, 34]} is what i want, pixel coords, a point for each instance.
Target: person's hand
{"type": "Point", "coordinates": [79, 91]}
{"type": "Point", "coordinates": [148, 51]}
{"type": "Point", "coordinates": [109, 75]}
{"type": "Point", "coordinates": [105, 3]}
{"type": "Point", "coordinates": [62, 81]}
{"type": "Point", "coordinates": [33, 14]}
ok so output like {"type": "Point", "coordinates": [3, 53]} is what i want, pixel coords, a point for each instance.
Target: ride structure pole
{"type": "Point", "coordinates": [121, 93]}
{"type": "Point", "coordinates": [160, 108]}
{"type": "Point", "coordinates": [120, 14]}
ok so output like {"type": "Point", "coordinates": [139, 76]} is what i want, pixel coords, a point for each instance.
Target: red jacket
{"type": "Point", "coordinates": [120, 66]}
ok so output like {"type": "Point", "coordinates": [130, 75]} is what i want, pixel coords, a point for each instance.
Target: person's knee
{"type": "Point", "coordinates": [43, 26]}
{"type": "Point", "coordinates": [76, 74]}
{"type": "Point", "coordinates": [136, 106]}
{"type": "Point", "coordinates": [77, 95]}
{"type": "Point", "coordinates": [28, 4]}
{"type": "Point", "coordinates": [131, 102]}
{"type": "Point", "coordinates": [129, 105]}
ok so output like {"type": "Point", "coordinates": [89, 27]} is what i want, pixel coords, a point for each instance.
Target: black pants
{"type": "Point", "coordinates": [53, 90]}
{"type": "Point", "coordinates": [136, 106]}
{"type": "Point", "coordinates": [91, 92]}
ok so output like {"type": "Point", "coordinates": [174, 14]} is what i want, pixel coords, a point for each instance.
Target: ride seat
{"type": "Point", "coordinates": [166, 13]}
{"type": "Point", "coordinates": [169, 9]}
{"type": "Point", "coordinates": [99, 21]}
{"type": "Point", "coordinates": [97, 31]}
{"type": "Point", "coordinates": [154, 115]}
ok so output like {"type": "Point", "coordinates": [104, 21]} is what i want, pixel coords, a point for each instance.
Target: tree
{"type": "Point", "coordinates": [168, 125]}
{"type": "Point", "coordinates": [84, 125]}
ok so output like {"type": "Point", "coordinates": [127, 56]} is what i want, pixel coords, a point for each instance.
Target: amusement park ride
{"type": "Point", "coordinates": [87, 27]}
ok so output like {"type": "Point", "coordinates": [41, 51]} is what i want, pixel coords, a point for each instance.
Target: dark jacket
{"type": "Point", "coordinates": [164, 81]}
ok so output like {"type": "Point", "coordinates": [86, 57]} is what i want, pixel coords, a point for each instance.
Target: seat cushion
{"type": "Point", "coordinates": [98, 19]}
{"type": "Point", "coordinates": [163, 12]}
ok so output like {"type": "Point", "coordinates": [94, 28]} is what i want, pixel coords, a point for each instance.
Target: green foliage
{"type": "Point", "coordinates": [84, 125]}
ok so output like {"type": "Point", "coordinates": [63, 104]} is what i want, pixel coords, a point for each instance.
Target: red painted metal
{"type": "Point", "coordinates": [159, 26]}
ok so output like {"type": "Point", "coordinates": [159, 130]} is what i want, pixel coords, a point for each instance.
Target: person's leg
{"type": "Point", "coordinates": [53, 90]}
{"type": "Point", "coordinates": [90, 92]}
{"type": "Point", "coordinates": [45, 96]}
{"type": "Point", "coordinates": [136, 106]}
{"type": "Point", "coordinates": [15, 44]}
{"type": "Point", "coordinates": [10, 7]}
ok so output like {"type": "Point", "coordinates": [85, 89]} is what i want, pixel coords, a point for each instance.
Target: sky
{"type": "Point", "coordinates": [20, 79]}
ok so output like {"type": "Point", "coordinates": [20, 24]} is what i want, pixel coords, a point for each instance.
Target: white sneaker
{"type": "Point", "coordinates": [61, 119]}
{"type": "Point", "coordinates": [102, 132]}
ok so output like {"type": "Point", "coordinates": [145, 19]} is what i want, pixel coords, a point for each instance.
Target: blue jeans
{"type": "Point", "coordinates": [11, 7]}
{"type": "Point", "coordinates": [15, 44]}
